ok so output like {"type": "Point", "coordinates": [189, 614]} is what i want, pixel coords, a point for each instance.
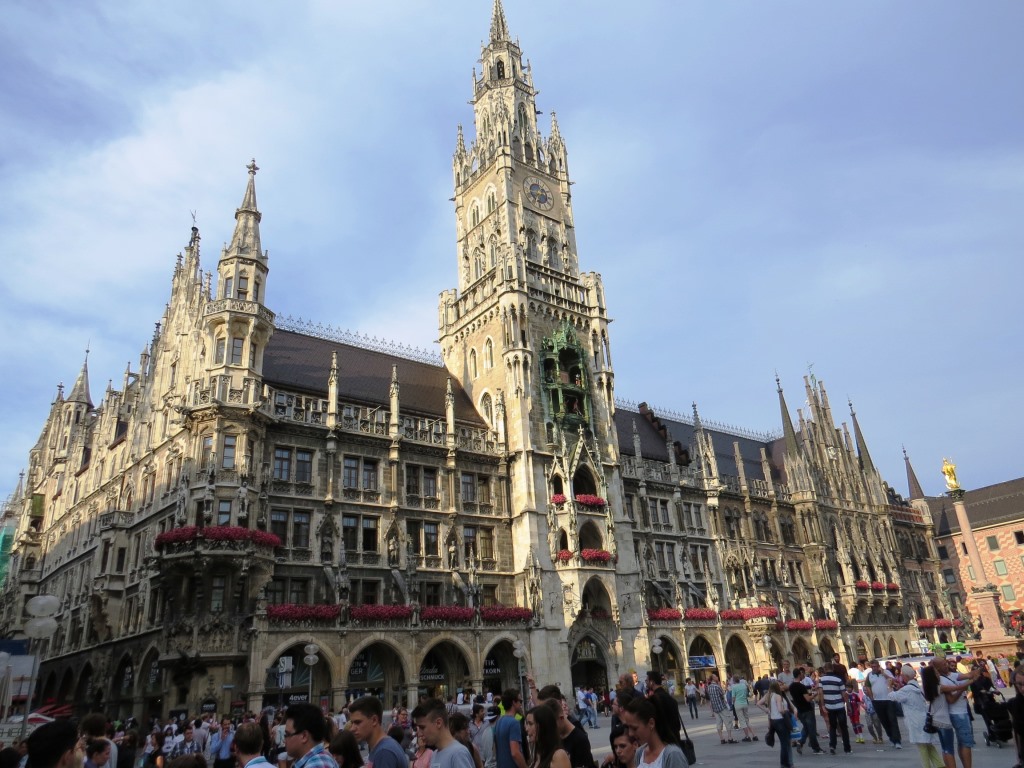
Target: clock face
{"type": "Point", "coordinates": [538, 193]}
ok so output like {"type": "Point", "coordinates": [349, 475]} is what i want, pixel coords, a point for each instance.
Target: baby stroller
{"type": "Point", "coordinates": [998, 728]}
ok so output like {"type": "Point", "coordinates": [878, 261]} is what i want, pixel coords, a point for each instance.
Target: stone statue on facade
{"type": "Point", "coordinates": [393, 551]}
{"type": "Point", "coordinates": [831, 610]}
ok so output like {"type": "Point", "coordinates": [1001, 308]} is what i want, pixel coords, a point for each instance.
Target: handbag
{"type": "Point", "coordinates": [689, 751]}
{"type": "Point", "coordinates": [929, 724]}
{"type": "Point", "coordinates": [769, 738]}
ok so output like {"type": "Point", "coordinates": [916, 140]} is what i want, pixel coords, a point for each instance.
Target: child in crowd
{"type": "Point", "coordinates": [853, 709]}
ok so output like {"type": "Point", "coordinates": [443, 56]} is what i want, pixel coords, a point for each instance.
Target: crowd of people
{"type": "Point", "coordinates": [542, 728]}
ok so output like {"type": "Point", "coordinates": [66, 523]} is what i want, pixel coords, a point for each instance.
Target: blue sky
{"type": "Point", "coordinates": [763, 186]}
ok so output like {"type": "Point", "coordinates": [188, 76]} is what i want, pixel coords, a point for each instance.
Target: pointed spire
{"type": "Point", "coordinates": [80, 392]}
{"type": "Point", "coordinates": [916, 492]}
{"type": "Point", "coordinates": [246, 239]}
{"type": "Point", "coordinates": [555, 133]}
{"type": "Point", "coordinates": [499, 27]}
{"type": "Point", "coordinates": [787, 422]}
{"type": "Point", "coordinates": [862, 446]}
{"type": "Point", "coordinates": [460, 143]}
{"type": "Point", "coordinates": [696, 418]}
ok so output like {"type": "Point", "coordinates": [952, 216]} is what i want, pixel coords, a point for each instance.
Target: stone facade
{"type": "Point", "coordinates": [255, 486]}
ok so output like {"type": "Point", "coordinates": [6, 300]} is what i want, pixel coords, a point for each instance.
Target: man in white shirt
{"type": "Point", "coordinates": [876, 688]}
{"type": "Point", "coordinates": [785, 675]}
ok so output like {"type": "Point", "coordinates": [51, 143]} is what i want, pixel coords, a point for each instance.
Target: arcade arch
{"type": "Point", "coordinates": [737, 658]}
{"type": "Point", "coordinates": [443, 670]}
{"type": "Point", "coordinates": [702, 659]}
{"type": "Point", "coordinates": [377, 669]}
{"type": "Point", "coordinates": [588, 664]}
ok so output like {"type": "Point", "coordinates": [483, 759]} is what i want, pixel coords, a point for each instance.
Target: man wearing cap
{"type": "Point", "coordinates": [666, 706]}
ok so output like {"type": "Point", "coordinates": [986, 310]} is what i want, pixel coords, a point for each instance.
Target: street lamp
{"type": "Point", "coordinates": [311, 658]}
{"type": "Point", "coordinates": [41, 627]}
{"type": "Point", "coordinates": [519, 651]}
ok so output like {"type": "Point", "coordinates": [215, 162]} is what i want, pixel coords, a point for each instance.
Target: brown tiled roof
{"type": "Point", "coordinates": [991, 505]}
{"type": "Point", "coordinates": [301, 362]}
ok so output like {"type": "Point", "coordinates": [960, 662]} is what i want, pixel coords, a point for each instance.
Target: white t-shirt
{"type": "Point", "coordinates": [859, 675]}
{"type": "Point", "coordinates": [879, 684]}
{"type": "Point", "coordinates": [958, 707]}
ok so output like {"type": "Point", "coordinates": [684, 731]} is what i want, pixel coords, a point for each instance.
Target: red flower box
{"type": "Point", "coordinates": [217, 533]}
{"type": "Point", "coordinates": [943, 623]}
{"type": "Point", "coordinates": [826, 624]}
{"type": "Point", "coordinates": [595, 555]}
{"type": "Point", "coordinates": [958, 623]}
{"type": "Point", "coordinates": [731, 614]}
{"type": "Point", "coordinates": [563, 556]}
{"type": "Point", "coordinates": [671, 614]}
{"type": "Point", "coordinates": [380, 612]}
{"type": "Point", "coordinates": [454, 614]}
{"type": "Point", "coordinates": [877, 586]}
{"type": "Point", "coordinates": [302, 612]}
{"type": "Point", "coordinates": [760, 612]}
{"type": "Point", "coordinates": [892, 586]}
{"type": "Point", "coordinates": [496, 614]}
{"type": "Point", "coordinates": [861, 585]}
{"type": "Point", "coordinates": [925, 623]}
{"type": "Point", "coordinates": [799, 624]}
{"type": "Point", "coordinates": [558, 499]}
{"type": "Point", "coordinates": [589, 500]}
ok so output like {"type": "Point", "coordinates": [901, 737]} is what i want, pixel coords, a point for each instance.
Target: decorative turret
{"type": "Point", "coordinates": [862, 446]}
{"type": "Point", "coordinates": [787, 423]}
{"type": "Point", "coordinates": [916, 491]}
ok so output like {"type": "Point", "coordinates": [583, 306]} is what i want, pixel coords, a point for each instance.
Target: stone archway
{"type": "Point", "coordinates": [590, 536]}
{"type": "Point", "coordinates": [378, 670]}
{"type": "Point", "coordinates": [862, 649]}
{"type": "Point", "coordinates": [290, 680]}
{"type": "Point", "coordinates": [826, 649]}
{"type": "Point", "coordinates": [893, 648]}
{"type": "Point", "coordinates": [596, 599]}
{"type": "Point", "coordinates": [701, 658]}
{"type": "Point", "coordinates": [668, 662]}
{"type": "Point", "coordinates": [588, 665]}
{"type": "Point", "coordinates": [802, 653]}
{"type": "Point", "coordinates": [501, 668]}
{"type": "Point", "coordinates": [737, 658]}
{"type": "Point", "coordinates": [85, 692]}
{"type": "Point", "coordinates": [49, 689]}
{"type": "Point", "coordinates": [876, 649]}
{"type": "Point", "coordinates": [122, 685]}
{"type": "Point", "coordinates": [67, 687]}
{"type": "Point", "coordinates": [443, 671]}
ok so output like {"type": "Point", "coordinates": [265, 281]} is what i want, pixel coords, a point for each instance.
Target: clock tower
{"type": "Point", "coordinates": [526, 335]}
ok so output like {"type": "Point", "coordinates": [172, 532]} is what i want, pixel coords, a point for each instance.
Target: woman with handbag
{"type": "Point", "coordinates": [780, 727]}
{"type": "Point", "coordinates": [938, 708]}
{"type": "Point", "coordinates": [915, 712]}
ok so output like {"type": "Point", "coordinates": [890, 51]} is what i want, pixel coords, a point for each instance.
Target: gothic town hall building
{"type": "Point", "coordinates": [438, 524]}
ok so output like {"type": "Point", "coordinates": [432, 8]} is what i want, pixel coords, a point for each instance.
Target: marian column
{"type": "Point", "coordinates": [984, 600]}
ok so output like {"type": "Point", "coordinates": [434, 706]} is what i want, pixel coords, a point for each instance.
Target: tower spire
{"type": "Point", "coordinates": [499, 27]}
{"type": "Point", "coordinates": [862, 446]}
{"type": "Point", "coordinates": [787, 422]}
{"type": "Point", "coordinates": [80, 392]}
{"type": "Point", "coordinates": [915, 487]}
{"type": "Point", "coordinates": [246, 239]}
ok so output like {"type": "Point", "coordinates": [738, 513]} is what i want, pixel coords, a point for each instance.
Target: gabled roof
{"type": "Point", "coordinates": [301, 362]}
{"type": "Point", "coordinates": [991, 505]}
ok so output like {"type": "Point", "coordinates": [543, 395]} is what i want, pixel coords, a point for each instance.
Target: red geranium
{"type": "Point", "coordinates": [667, 614]}
{"type": "Point", "coordinates": [925, 623]}
{"type": "Point", "coordinates": [862, 585]}
{"type": "Point", "coordinates": [558, 499]}
{"type": "Point", "coordinates": [595, 555]}
{"type": "Point", "coordinates": [731, 614]}
{"type": "Point", "coordinates": [877, 586]}
{"type": "Point", "coordinates": [564, 555]}
{"type": "Point", "coordinates": [943, 623]}
{"type": "Point", "coordinates": [302, 612]}
{"type": "Point", "coordinates": [892, 586]}
{"type": "Point", "coordinates": [589, 500]}
{"type": "Point", "coordinates": [454, 614]}
{"type": "Point", "coordinates": [799, 624]}
{"type": "Point", "coordinates": [496, 614]}
{"type": "Point", "coordinates": [760, 612]}
{"type": "Point", "coordinates": [217, 533]}
{"type": "Point", "coordinates": [826, 624]}
{"type": "Point", "coordinates": [380, 612]}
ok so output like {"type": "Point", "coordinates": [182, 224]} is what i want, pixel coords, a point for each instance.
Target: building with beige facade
{"type": "Point", "coordinates": [255, 485]}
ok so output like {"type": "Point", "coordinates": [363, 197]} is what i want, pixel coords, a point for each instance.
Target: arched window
{"type": "Point", "coordinates": [492, 202]}
{"type": "Point", "coordinates": [523, 121]}
{"type": "Point", "coordinates": [492, 253]}
{"type": "Point", "coordinates": [486, 408]}
{"type": "Point", "coordinates": [474, 216]}
{"type": "Point", "coordinates": [478, 264]}
{"type": "Point", "coordinates": [500, 69]}
{"type": "Point", "coordinates": [488, 354]}
{"type": "Point", "coordinates": [229, 286]}
{"type": "Point", "coordinates": [531, 244]}
{"type": "Point", "coordinates": [472, 364]}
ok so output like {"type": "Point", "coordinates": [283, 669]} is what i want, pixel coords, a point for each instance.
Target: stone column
{"type": "Point", "coordinates": [984, 601]}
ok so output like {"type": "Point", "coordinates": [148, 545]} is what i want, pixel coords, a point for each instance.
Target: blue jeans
{"type": "Point", "coordinates": [784, 735]}
{"type": "Point", "coordinates": [810, 727]}
{"type": "Point", "coordinates": [964, 730]}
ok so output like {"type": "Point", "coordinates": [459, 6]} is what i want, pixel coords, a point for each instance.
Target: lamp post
{"type": "Point", "coordinates": [519, 651]}
{"type": "Point", "coordinates": [656, 650]}
{"type": "Point", "coordinates": [42, 626]}
{"type": "Point", "coordinates": [311, 658]}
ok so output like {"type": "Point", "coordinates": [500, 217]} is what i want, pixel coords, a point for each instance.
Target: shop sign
{"type": "Point", "coordinates": [491, 668]}
{"type": "Point", "coordinates": [431, 674]}
{"type": "Point", "coordinates": [210, 705]}
{"type": "Point", "coordinates": [701, 662]}
{"type": "Point", "coordinates": [298, 698]}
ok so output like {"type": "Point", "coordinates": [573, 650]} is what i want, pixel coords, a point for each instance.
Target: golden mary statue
{"type": "Point", "coordinates": [949, 470]}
